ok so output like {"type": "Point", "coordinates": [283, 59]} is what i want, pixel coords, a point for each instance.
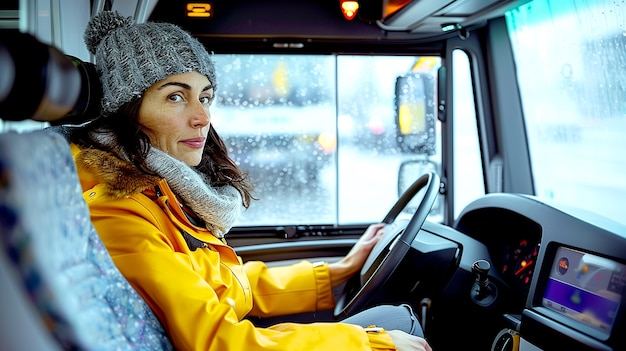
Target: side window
{"type": "Point", "coordinates": [468, 177]}
{"type": "Point", "coordinates": [575, 101]}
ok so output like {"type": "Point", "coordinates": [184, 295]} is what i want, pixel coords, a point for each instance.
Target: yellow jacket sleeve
{"type": "Point", "coordinates": [297, 288]}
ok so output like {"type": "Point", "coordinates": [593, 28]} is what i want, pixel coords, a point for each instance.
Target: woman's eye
{"type": "Point", "coordinates": [175, 98]}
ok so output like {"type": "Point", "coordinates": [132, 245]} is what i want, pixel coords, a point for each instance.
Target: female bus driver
{"type": "Point", "coordinates": [162, 192]}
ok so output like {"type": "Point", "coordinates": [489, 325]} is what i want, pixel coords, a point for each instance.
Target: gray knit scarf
{"type": "Point", "coordinates": [218, 207]}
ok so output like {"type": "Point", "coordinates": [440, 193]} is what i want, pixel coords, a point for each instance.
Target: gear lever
{"type": "Point", "coordinates": [483, 292]}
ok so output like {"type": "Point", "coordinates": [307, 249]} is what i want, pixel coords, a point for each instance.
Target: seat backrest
{"type": "Point", "coordinates": [46, 233]}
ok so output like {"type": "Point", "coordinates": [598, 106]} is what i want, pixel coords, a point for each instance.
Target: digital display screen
{"type": "Point", "coordinates": [586, 288]}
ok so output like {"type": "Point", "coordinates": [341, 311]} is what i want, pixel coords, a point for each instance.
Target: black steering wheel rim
{"type": "Point", "coordinates": [389, 252]}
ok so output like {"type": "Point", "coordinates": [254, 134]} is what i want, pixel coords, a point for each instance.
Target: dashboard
{"type": "Point", "coordinates": [512, 239]}
{"type": "Point", "coordinates": [567, 267]}
{"type": "Point", "coordinates": [518, 261]}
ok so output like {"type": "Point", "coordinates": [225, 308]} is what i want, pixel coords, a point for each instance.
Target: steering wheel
{"type": "Point", "coordinates": [387, 254]}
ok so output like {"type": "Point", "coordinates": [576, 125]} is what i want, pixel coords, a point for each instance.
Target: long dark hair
{"type": "Point", "coordinates": [216, 164]}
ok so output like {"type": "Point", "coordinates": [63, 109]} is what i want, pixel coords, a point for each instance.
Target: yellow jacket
{"type": "Point", "coordinates": [195, 283]}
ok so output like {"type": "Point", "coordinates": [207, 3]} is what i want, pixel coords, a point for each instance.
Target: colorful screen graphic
{"type": "Point", "coordinates": [585, 287]}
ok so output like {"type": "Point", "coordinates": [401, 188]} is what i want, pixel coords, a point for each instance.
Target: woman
{"type": "Point", "coordinates": [163, 191]}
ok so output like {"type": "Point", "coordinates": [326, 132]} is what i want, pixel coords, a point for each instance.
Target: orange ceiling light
{"type": "Point", "coordinates": [199, 9]}
{"type": "Point", "coordinates": [349, 8]}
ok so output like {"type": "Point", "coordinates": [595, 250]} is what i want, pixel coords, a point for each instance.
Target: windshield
{"type": "Point", "coordinates": [575, 100]}
{"type": "Point", "coordinates": [318, 133]}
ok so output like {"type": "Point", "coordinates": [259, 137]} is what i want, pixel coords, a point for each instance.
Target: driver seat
{"type": "Point", "coordinates": [50, 248]}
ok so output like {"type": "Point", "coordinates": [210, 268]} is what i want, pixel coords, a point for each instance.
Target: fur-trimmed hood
{"type": "Point", "coordinates": [120, 178]}
{"type": "Point", "coordinates": [219, 207]}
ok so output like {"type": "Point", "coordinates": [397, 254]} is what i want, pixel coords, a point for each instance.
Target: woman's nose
{"type": "Point", "coordinates": [200, 116]}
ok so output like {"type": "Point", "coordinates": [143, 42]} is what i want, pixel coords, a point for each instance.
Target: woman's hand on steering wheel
{"type": "Point", "coordinates": [345, 268]}
{"type": "Point", "coordinates": [385, 256]}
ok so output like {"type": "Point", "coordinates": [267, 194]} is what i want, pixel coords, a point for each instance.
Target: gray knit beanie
{"type": "Point", "coordinates": [131, 57]}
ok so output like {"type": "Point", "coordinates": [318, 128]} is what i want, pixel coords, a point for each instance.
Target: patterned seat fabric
{"type": "Point", "coordinates": [46, 231]}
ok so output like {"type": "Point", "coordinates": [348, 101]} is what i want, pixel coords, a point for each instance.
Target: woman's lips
{"type": "Point", "coordinates": [196, 143]}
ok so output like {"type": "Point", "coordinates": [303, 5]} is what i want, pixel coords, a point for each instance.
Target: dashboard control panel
{"type": "Point", "coordinates": [585, 287]}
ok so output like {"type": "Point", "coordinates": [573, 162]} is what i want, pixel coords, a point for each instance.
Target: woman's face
{"type": "Point", "coordinates": [175, 115]}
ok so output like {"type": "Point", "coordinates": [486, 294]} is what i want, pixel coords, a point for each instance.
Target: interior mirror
{"type": "Point", "coordinates": [415, 113]}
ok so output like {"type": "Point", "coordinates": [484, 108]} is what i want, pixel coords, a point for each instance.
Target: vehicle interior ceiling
{"type": "Point", "coordinates": [380, 26]}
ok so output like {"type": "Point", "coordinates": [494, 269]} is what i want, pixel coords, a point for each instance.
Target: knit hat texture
{"type": "Point", "coordinates": [131, 57]}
